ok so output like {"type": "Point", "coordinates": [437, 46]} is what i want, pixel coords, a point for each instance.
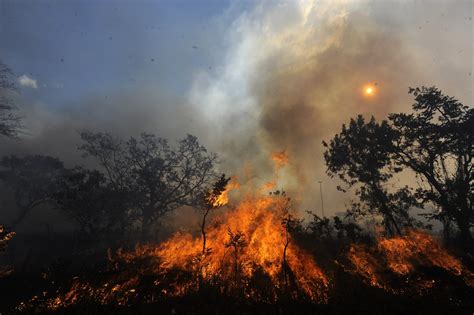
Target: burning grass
{"type": "Point", "coordinates": [395, 264]}
{"type": "Point", "coordinates": [244, 258]}
{"type": "Point", "coordinates": [250, 255]}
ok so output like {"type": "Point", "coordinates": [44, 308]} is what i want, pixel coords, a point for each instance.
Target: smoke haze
{"type": "Point", "coordinates": [271, 77]}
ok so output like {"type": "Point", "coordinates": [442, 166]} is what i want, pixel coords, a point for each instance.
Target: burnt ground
{"type": "Point", "coordinates": [348, 294]}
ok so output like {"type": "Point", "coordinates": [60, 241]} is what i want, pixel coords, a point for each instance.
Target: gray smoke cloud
{"type": "Point", "coordinates": [295, 72]}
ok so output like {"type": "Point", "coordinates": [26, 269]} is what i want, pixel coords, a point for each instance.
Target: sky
{"type": "Point", "coordinates": [249, 78]}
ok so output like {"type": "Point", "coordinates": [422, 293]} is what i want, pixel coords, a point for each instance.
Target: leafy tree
{"type": "Point", "coordinates": [436, 141]}
{"type": "Point", "coordinates": [10, 124]}
{"type": "Point", "coordinates": [360, 154]}
{"type": "Point", "coordinates": [33, 178]}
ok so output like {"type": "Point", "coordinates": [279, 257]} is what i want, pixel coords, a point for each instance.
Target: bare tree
{"type": "Point", "coordinates": [288, 223]}
{"type": "Point", "coordinates": [160, 177]}
{"type": "Point", "coordinates": [34, 180]}
{"type": "Point", "coordinates": [210, 201]}
{"type": "Point", "coordinates": [91, 202]}
{"type": "Point", "coordinates": [237, 242]}
{"type": "Point", "coordinates": [10, 124]}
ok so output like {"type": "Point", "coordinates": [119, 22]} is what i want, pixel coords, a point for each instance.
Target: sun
{"type": "Point", "coordinates": [369, 90]}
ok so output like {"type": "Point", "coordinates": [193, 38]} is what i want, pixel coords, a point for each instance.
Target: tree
{"type": "Point", "coordinates": [360, 154]}
{"type": "Point", "coordinates": [159, 176]}
{"type": "Point", "coordinates": [237, 242]}
{"type": "Point", "coordinates": [436, 141]}
{"type": "Point", "coordinates": [112, 155]}
{"type": "Point", "coordinates": [211, 200]}
{"type": "Point", "coordinates": [90, 200]}
{"type": "Point", "coordinates": [33, 178]}
{"type": "Point", "coordinates": [10, 124]}
{"type": "Point", "coordinates": [289, 224]}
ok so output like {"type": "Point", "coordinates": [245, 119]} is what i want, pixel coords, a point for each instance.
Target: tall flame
{"type": "Point", "coordinates": [258, 220]}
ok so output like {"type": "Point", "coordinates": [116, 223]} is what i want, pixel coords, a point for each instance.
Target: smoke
{"type": "Point", "coordinates": [286, 76]}
{"type": "Point", "coordinates": [293, 74]}
{"type": "Point", "coordinates": [123, 113]}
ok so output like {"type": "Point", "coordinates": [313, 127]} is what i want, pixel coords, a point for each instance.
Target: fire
{"type": "Point", "coordinates": [269, 185]}
{"type": "Point", "coordinates": [280, 159]}
{"type": "Point", "coordinates": [244, 256]}
{"type": "Point", "coordinates": [401, 257]}
{"type": "Point", "coordinates": [417, 248]}
{"type": "Point", "coordinates": [260, 250]}
{"type": "Point", "coordinates": [223, 198]}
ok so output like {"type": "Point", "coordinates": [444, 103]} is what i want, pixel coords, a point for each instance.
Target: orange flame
{"type": "Point", "coordinates": [259, 220]}
{"type": "Point", "coordinates": [402, 256]}
{"type": "Point", "coordinates": [223, 198]}
{"type": "Point", "coordinates": [280, 159]}
{"type": "Point", "coordinates": [245, 245]}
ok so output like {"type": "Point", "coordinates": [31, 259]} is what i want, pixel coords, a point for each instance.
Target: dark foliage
{"type": "Point", "coordinates": [360, 155]}
{"type": "Point", "coordinates": [435, 142]}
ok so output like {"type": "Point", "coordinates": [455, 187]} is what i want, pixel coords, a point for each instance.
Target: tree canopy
{"type": "Point", "coordinates": [435, 141]}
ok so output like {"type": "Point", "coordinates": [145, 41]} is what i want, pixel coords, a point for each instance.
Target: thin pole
{"type": "Point", "coordinates": [321, 193]}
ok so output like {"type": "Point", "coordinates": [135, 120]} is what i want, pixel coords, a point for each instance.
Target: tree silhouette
{"type": "Point", "coordinates": [161, 177]}
{"type": "Point", "coordinates": [10, 124]}
{"type": "Point", "coordinates": [34, 180]}
{"type": "Point", "coordinates": [210, 201]}
{"type": "Point", "coordinates": [360, 154]}
{"type": "Point", "coordinates": [91, 202]}
{"type": "Point", "coordinates": [290, 224]}
{"type": "Point", "coordinates": [237, 242]}
{"type": "Point", "coordinates": [437, 142]}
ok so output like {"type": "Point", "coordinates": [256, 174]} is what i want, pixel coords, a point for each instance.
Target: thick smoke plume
{"type": "Point", "coordinates": [293, 75]}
